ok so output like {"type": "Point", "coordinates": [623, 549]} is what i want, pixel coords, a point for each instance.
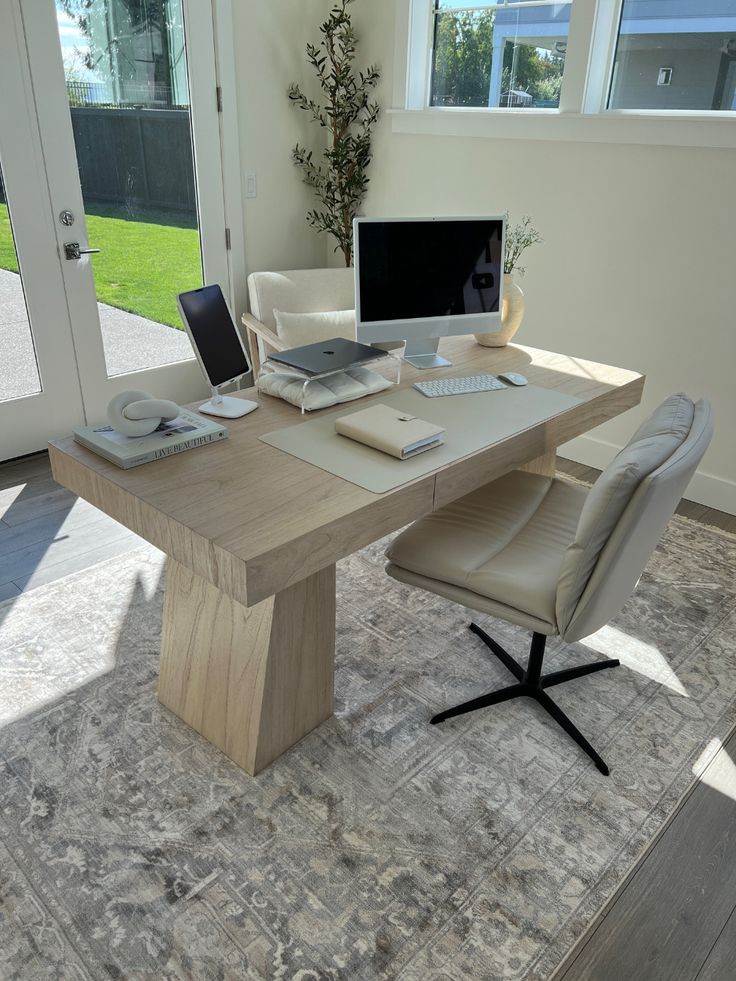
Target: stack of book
{"type": "Point", "coordinates": [186, 432]}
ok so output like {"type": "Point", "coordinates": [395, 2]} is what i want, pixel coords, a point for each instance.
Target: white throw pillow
{"type": "Point", "coordinates": [297, 329]}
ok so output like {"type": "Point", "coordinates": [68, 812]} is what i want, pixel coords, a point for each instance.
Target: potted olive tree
{"type": "Point", "coordinates": [347, 114]}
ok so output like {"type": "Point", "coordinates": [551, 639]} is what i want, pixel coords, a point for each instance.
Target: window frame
{"type": "Point", "coordinates": [582, 115]}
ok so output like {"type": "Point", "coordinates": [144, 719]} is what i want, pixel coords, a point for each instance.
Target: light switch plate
{"type": "Point", "coordinates": [251, 186]}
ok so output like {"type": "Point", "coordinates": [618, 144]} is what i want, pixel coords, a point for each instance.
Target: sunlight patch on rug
{"type": "Point", "coordinates": [32, 675]}
{"type": "Point", "coordinates": [717, 769]}
{"type": "Point", "coordinates": [646, 659]}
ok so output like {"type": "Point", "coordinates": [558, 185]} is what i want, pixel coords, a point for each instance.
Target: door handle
{"type": "Point", "coordinates": [72, 251]}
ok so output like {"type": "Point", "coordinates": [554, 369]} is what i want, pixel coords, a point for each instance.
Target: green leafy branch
{"type": "Point", "coordinates": [348, 114]}
{"type": "Point", "coordinates": [518, 238]}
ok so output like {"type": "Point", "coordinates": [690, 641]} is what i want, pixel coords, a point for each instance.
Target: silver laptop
{"type": "Point", "coordinates": [333, 355]}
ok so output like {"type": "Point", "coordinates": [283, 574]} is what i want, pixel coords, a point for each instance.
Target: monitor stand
{"type": "Point", "coordinates": [226, 407]}
{"type": "Point", "coordinates": [423, 354]}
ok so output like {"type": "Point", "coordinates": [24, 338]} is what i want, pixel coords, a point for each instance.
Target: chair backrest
{"type": "Point", "coordinates": [626, 513]}
{"type": "Point", "coordinates": [300, 291]}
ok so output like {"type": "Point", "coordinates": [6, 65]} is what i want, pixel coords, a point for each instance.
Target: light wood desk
{"type": "Point", "coordinates": [252, 536]}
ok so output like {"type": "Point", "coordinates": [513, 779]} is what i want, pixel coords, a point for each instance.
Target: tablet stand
{"type": "Point", "coordinates": [227, 407]}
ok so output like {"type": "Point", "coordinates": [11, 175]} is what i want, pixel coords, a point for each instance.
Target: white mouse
{"type": "Point", "coordinates": [513, 378]}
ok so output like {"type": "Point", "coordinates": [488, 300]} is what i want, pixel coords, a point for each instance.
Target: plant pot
{"type": "Point", "coordinates": [512, 313]}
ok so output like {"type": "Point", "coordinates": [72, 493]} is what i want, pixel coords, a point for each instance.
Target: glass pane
{"type": "Point", "coordinates": [675, 54]}
{"type": "Point", "coordinates": [126, 75]}
{"type": "Point", "coordinates": [509, 55]}
{"type": "Point", "coordinates": [18, 367]}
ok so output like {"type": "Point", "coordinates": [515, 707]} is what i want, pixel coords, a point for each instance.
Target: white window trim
{"type": "Point", "coordinates": [232, 169]}
{"type": "Point", "coordinates": [581, 116]}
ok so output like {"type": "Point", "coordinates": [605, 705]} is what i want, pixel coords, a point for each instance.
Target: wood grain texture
{"type": "Point", "coordinates": [252, 681]}
{"type": "Point", "coordinates": [18, 563]}
{"type": "Point", "coordinates": [545, 465]}
{"type": "Point", "coordinates": [21, 470]}
{"type": "Point", "coordinates": [253, 521]}
{"type": "Point", "coordinates": [40, 541]}
{"type": "Point", "coordinates": [9, 591]}
{"type": "Point", "coordinates": [720, 964]}
{"type": "Point", "coordinates": [664, 922]}
{"type": "Point", "coordinates": [40, 495]}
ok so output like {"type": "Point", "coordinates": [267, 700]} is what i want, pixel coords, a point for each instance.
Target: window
{"type": "Point", "coordinates": [675, 54]}
{"type": "Point", "coordinates": [588, 58]}
{"type": "Point", "coordinates": [507, 55]}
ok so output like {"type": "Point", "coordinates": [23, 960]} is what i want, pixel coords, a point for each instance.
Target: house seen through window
{"type": "Point", "coordinates": [675, 54]}
{"type": "Point", "coordinates": [670, 54]}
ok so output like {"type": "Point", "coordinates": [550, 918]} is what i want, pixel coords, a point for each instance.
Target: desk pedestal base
{"type": "Point", "coordinates": [545, 465]}
{"type": "Point", "coordinates": [251, 680]}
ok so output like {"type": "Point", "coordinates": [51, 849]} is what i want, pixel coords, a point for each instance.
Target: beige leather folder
{"type": "Point", "coordinates": [392, 431]}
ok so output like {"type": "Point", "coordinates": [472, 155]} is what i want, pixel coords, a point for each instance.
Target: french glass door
{"type": "Point", "coordinates": [118, 97]}
{"type": "Point", "coordinates": [39, 386]}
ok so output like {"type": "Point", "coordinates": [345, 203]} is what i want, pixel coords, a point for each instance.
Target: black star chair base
{"type": "Point", "coordinates": [555, 557]}
{"type": "Point", "coordinates": [532, 683]}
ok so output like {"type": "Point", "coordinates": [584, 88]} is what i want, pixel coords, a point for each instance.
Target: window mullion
{"type": "Point", "coordinates": [603, 50]}
{"type": "Point", "coordinates": [420, 43]}
{"type": "Point", "coordinates": [578, 55]}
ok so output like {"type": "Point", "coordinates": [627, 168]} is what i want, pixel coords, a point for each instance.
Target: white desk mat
{"type": "Point", "coordinates": [473, 423]}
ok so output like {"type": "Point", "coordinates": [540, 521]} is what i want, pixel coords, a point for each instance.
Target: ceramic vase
{"type": "Point", "coordinates": [512, 313]}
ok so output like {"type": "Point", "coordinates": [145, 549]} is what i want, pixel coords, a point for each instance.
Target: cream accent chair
{"type": "Point", "coordinates": [295, 291]}
{"type": "Point", "coordinates": [552, 556]}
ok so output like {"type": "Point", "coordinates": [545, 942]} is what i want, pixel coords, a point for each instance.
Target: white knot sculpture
{"type": "Point", "coordinates": [138, 413]}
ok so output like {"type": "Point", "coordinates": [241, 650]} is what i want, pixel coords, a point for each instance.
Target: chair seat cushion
{"type": "Point", "coordinates": [504, 543]}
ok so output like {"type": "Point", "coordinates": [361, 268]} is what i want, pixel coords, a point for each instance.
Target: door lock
{"type": "Point", "coordinates": [66, 217]}
{"type": "Point", "coordinates": [72, 251]}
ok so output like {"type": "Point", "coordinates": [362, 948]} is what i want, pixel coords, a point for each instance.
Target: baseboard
{"type": "Point", "coordinates": [704, 488]}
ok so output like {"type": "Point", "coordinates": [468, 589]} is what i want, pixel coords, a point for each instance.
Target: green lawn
{"type": "Point", "coordinates": [142, 265]}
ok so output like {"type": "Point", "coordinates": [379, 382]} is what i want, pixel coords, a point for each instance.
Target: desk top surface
{"type": "Point", "coordinates": [254, 520]}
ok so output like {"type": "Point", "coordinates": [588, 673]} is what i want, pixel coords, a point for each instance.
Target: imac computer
{"type": "Point", "coordinates": [218, 347]}
{"type": "Point", "coordinates": [419, 279]}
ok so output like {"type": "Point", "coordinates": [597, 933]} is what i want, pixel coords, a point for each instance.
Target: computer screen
{"type": "Point", "coordinates": [427, 269]}
{"type": "Point", "coordinates": [213, 334]}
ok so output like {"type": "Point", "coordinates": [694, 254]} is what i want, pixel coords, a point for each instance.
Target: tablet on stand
{"type": "Point", "coordinates": [218, 347]}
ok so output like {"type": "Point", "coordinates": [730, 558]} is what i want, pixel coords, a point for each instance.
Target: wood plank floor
{"type": "Point", "coordinates": [674, 919]}
{"type": "Point", "coordinates": [46, 532]}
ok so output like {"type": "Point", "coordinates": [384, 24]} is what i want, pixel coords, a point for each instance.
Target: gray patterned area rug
{"type": "Point", "coordinates": [379, 847]}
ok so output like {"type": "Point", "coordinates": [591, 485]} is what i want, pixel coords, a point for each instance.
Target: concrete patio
{"type": "Point", "coordinates": [131, 342]}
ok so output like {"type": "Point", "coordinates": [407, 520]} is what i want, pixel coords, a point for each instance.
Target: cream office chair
{"type": "Point", "coordinates": [295, 291]}
{"type": "Point", "coordinates": [552, 556]}
{"type": "Point", "coordinates": [307, 291]}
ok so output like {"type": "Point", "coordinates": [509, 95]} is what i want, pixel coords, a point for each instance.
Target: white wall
{"type": "Point", "coordinates": [637, 268]}
{"type": "Point", "coordinates": [270, 36]}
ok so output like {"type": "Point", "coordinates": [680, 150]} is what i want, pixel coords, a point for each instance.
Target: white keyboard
{"type": "Point", "coordinates": [467, 385]}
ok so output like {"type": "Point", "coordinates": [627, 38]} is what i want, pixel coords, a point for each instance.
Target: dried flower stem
{"type": "Point", "coordinates": [518, 238]}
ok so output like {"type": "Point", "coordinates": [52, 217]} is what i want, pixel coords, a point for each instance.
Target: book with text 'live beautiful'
{"type": "Point", "coordinates": [186, 432]}
{"type": "Point", "coordinates": [392, 431]}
